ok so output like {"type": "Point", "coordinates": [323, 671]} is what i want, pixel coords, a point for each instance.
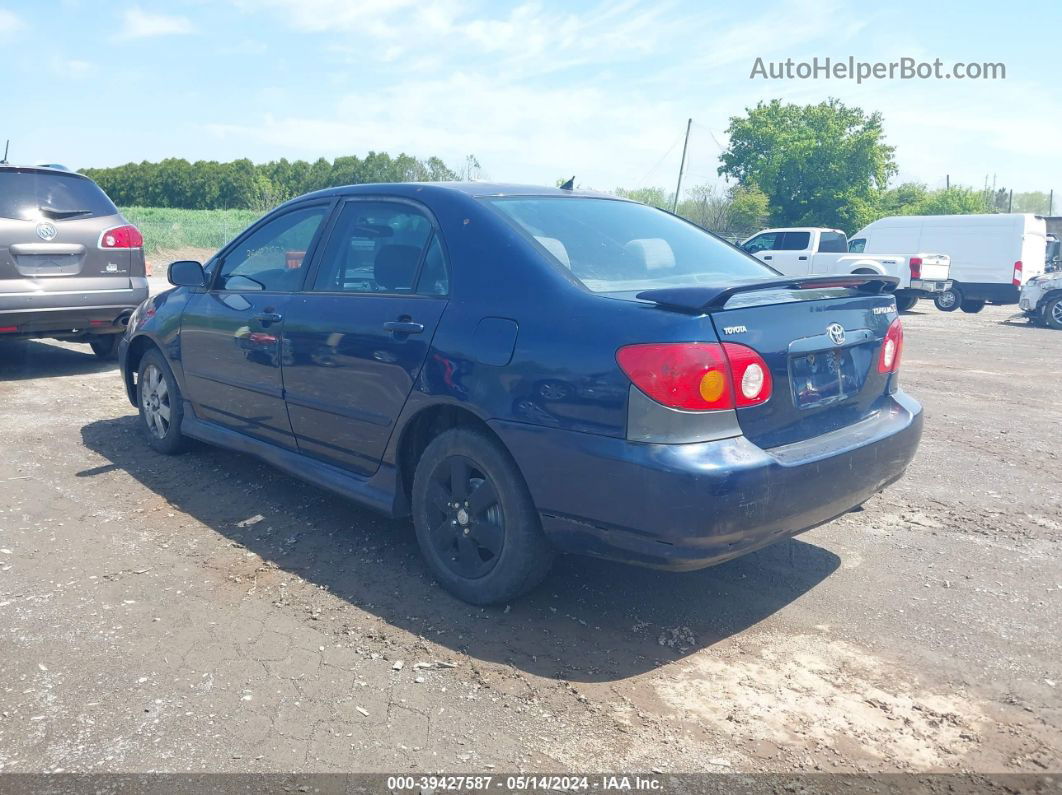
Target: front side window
{"type": "Point", "coordinates": [272, 257]}
{"type": "Point", "coordinates": [614, 245]}
{"type": "Point", "coordinates": [764, 242]}
{"type": "Point", "coordinates": [858, 245]}
{"type": "Point", "coordinates": [377, 247]}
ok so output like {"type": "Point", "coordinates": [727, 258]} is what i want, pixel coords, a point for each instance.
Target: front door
{"type": "Point", "coordinates": [232, 343]}
{"type": "Point", "coordinates": [360, 333]}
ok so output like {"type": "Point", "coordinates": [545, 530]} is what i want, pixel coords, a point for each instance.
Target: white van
{"type": "Point", "coordinates": [992, 256]}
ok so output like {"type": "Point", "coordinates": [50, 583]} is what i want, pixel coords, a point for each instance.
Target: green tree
{"type": "Point", "coordinates": [654, 197]}
{"type": "Point", "coordinates": [819, 165]}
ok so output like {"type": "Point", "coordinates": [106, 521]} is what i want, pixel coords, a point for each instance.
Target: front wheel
{"type": "Point", "coordinates": [161, 408]}
{"type": "Point", "coordinates": [948, 300]}
{"type": "Point", "coordinates": [105, 346]}
{"type": "Point", "coordinates": [474, 519]}
{"type": "Point", "coordinates": [972, 307]}
{"type": "Point", "coordinates": [905, 303]}
{"type": "Point", "coordinates": [1052, 313]}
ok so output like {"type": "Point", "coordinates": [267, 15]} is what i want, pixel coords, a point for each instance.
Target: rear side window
{"type": "Point", "coordinates": [377, 247]}
{"type": "Point", "coordinates": [832, 243]}
{"type": "Point", "coordinates": [793, 241]}
{"type": "Point", "coordinates": [37, 195]}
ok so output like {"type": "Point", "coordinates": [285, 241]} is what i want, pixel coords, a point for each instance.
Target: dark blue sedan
{"type": "Point", "coordinates": [527, 371]}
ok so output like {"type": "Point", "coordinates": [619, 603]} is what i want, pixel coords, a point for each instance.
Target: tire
{"type": "Point", "coordinates": [1052, 313]}
{"type": "Point", "coordinates": [972, 307]}
{"type": "Point", "coordinates": [105, 346]}
{"type": "Point", "coordinates": [495, 550]}
{"type": "Point", "coordinates": [905, 303]}
{"type": "Point", "coordinates": [949, 300]}
{"type": "Point", "coordinates": [161, 407]}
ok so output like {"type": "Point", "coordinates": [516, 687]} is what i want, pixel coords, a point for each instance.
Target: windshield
{"type": "Point", "coordinates": [614, 246]}
{"type": "Point", "coordinates": [38, 196]}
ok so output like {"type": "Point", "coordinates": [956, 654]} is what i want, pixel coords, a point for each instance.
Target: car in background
{"type": "Point", "coordinates": [71, 267]}
{"type": "Point", "coordinates": [526, 371]}
{"type": "Point", "coordinates": [806, 250]}
{"type": "Point", "coordinates": [992, 255]}
{"type": "Point", "coordinates": [1041, 299]}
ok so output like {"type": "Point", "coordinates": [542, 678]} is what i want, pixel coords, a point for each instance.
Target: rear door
{"type": "Point", "coordinates": [360, 333]}
{"type": "Point", "coordinates": [232, 345]}
{"type": "Point", "coordinates": [793, 252]}
{"type": "Point", "coordinates": [52, 226]}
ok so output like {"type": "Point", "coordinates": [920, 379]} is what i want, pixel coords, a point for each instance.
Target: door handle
{"type": "Point", "coordinates": [801, 257]}
{"type": "Point", "coordinates": [767, 256]}
{"type": "Point", "coordinates": [265, 318]}
{"type": "Point", "coordinates": [403, 327]}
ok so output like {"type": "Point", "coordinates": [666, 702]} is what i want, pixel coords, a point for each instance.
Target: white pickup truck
{"type": "Point", "coordinates": [806, 250]}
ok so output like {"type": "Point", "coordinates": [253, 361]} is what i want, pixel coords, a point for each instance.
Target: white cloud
{"type": "Point", "coordinates": [9, 23]}
{"type": "Point", "coordinates": [140, 24]}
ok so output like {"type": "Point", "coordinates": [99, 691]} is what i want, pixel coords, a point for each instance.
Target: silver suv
{"type": "Point", "coordinates": [71, 267]}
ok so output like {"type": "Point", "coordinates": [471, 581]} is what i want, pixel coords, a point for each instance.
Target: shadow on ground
{"type": "Point", "coordinates": [24, 359]}
{"type": "Point", "coordinates": [591, 621]}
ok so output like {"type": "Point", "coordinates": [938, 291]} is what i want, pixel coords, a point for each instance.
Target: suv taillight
{"type": "Point", "coordinates": [697, 376]}
{"type": "Point", "coordinates": [1017, 274]}
{"type": "Point", "coordinates": [891, 348]}
{"type": "Point", "coordinates": [916, 267]}
{"type": "Point", "coordinates": [127, 236]}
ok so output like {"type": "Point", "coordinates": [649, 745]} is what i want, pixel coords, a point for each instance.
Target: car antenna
{"type": "Point", "coordinates": [7, 146]}
{"type": "Point", "coordinates": [569, 185]}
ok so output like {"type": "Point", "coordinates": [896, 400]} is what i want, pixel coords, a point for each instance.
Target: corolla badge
{"type": "Point", "coordinates": [835, 331]}
{"type": "Point", "coordinates": [46, 231]}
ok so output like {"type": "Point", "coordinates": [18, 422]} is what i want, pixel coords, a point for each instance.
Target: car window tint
{"type": "Point", "coordinates": [272, 257]}
{"type": "Point", "coordinates": [375, 247]}
{"type": "Point", "coordinates": [434, 279]}
{"type": "Point", "coordinates": [833, 243]}
{"type": "Point", "coordinates": [764, 242]}
{"type": "Point", "coordinates": [792, 241]}
{"type": "Point", "coordinates": [858, 245]}
{"type": "Point", "coordinates": [37, 195]}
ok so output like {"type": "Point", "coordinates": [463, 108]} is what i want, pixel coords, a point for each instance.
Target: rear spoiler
{"type": "Point", "coordinates": [705, 299]}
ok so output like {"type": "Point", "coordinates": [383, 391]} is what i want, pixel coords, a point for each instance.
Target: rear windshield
{"type": "Point", "coordinates": [614, 246]}
{"type": "Point", "coordinates": [37, 196]}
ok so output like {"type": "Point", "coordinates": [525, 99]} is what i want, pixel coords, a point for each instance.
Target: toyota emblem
{"type": "Point", "coordinates": [46, 231]}
{"type": "Point", "coordinates": [835, 331]}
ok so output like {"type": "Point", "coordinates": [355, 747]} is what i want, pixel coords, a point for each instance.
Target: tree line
{"type": "Point", "coordinates": [241, 184]}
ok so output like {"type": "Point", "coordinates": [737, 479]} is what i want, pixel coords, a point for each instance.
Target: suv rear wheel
{"type": "Point", "coordinates": [105, 346]}
{"type": "Point", "coordinates": [474, 519]}
{"type": "Point", "coordinates": [1052, 313]}
{"type": "Point", "coordinates": [161, 408]}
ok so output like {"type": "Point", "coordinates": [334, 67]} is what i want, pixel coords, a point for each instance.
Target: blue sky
{"type": "Point", "coordinates": [535, 90]}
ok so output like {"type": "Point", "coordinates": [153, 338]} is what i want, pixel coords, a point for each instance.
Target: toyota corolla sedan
{"type": "Point", "coordinates": [530, 371]}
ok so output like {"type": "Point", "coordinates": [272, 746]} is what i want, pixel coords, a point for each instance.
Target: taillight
{"type": "Point", "coordinates": [697, 376]}
{"type": "Point", "coordinates": [916, 267]}
{"type": "Point", "coordinates": [127, 236]}
{"type": "Point", "coordinates": [752, 379]}
{"type": "Point", "coordinates": [1017, 274]}
{"type": "Point", "coordinates": [891, 348]}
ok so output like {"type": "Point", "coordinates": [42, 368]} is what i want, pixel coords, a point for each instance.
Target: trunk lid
{"type": "Point", "coordinates": [821, 344]}
{"type": "Point", "coordinates": [935, 267]}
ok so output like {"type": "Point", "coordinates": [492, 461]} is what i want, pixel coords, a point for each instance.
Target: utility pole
{"type": "Point", "coordinates": [682, 167]}
{"type": "Point", "coordinates": [1010, 201]}
{"type": "Point", "coordinates": [1051, 202]}
{"type": "Point", "coordinates": [6, 147]}
{"type": "Point", "coordinates": [947, 182]}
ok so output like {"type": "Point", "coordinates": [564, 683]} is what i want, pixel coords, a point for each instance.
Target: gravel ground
{"type": "Point", "coordinates": [149, 622]}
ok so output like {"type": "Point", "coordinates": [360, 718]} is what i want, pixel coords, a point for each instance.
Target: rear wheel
{"type": "Point", "coordinates": [105, 346]}
{"type": "Point", "coordinates": [475, 522]}
{"type": "Point", "coordinates": [948, 300]}
{"type": "Point", "coordinates": [972, 307]}
{"type": "Point", "coordinates": [161, 408]}
{"type": "Point", "coordinates": [905, 303]}
{"type": "Point", "coordinates": [1052, 313]}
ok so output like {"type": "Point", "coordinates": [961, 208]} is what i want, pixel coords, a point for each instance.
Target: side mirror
{"type": "Point", "coordinates": [186, 273]}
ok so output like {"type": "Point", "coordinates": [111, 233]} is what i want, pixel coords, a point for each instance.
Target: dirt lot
{"type": "Point", "coordinates": [145, 625]}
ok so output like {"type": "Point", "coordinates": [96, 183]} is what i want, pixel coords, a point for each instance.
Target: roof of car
{"type": "Point", "coordinates": [476, 189]}
{"type": "Point", "coordinates": [48, 168]}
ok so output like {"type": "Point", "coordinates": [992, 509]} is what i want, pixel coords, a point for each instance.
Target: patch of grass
{"type": "Point", "coordinates": [164, 228]}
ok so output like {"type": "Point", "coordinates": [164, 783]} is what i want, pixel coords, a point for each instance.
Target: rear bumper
{"type": "Point", "coordinates": [687, 506]}
{"type": "Point", "coordinates": [930, 285]}
{"type": "Point", "coordinates": [73, 314]}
